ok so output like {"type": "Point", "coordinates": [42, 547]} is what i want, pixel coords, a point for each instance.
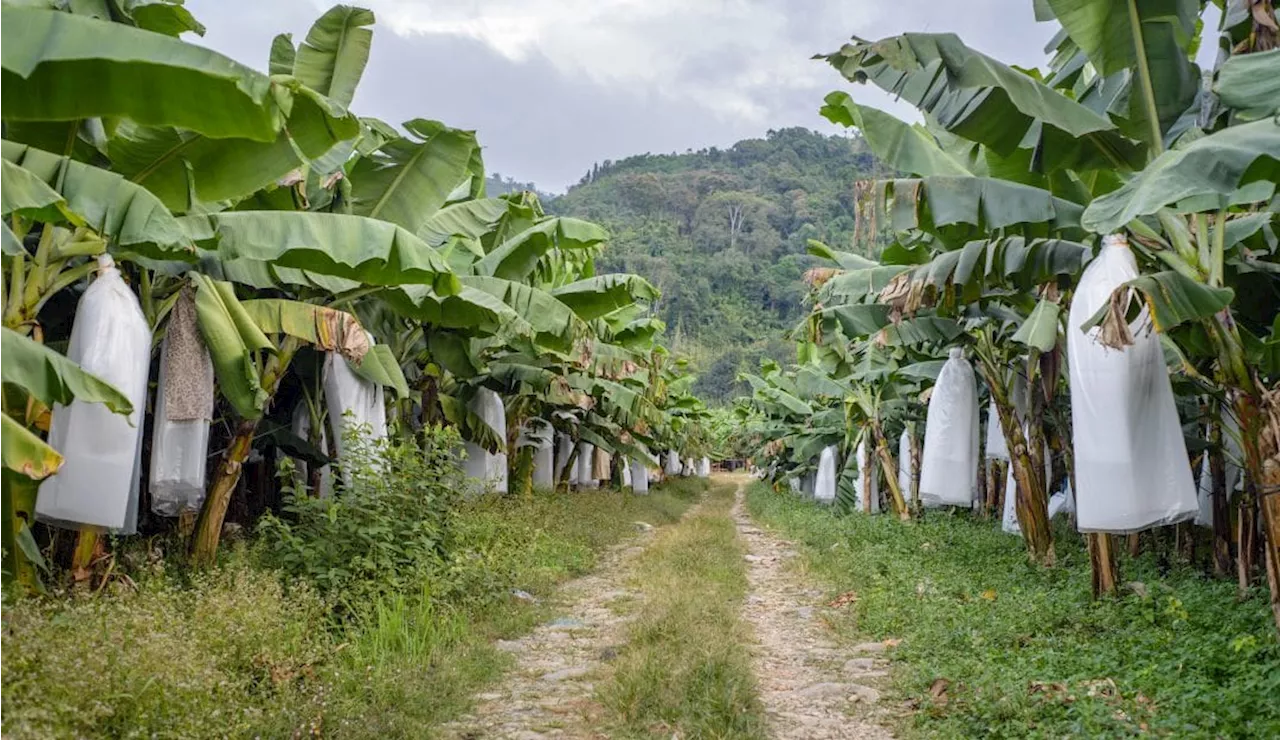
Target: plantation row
{"type": "Point", "coordinates": [1088, 254]}
{"type": "Point", "coordinates": [296, 282]}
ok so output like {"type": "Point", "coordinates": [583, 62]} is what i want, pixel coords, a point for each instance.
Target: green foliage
{"type": "Point", "coordinates": [1026, 651]}
{"type": "Point", "coordinates": [722, 233]}
{"type": "Point", "coordinates": [384, 530]}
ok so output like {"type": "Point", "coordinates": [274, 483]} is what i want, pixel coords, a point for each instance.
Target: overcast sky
{"type": "Point", "coordinates": [552, 86]}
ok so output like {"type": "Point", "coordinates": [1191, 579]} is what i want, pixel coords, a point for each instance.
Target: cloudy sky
{"type": "Point", "coordinates": [552, 86]}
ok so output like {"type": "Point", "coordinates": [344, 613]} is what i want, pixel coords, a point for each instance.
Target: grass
{"type": "Point", "coordinates": [1015, 651]}
{"type": "Point", "coordinates": [685, 671]}
{"type": "Point", "coordinates": [237, 652]}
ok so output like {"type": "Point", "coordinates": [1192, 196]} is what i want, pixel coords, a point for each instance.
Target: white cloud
{"type": "Point", "coordinates": [725, 55]}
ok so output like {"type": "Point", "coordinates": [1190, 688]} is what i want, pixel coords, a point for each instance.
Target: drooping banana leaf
{"type": "Point", "coordinates": [63, 67]}
{"type": "Point", "coordinates": [379, 366]}
{"type": "Point", "coordinates": [52, 378]}
{"type": "Point", "coordinates": [1040, 330]}
{"type": "Point", "coordinates": [126, 214]}
{"type": "Point", "coordinates": [233, 340]}
{"type": "Point", "coordinates": [25, 453]}
{"type": "Point", "coordinates": [600, 295]}
{"type": "Point", "coordinates": [327, 329]}
{"type": "Point", "coordinates": [901, 146]}
{"type": "Point", "coordinates": [353, 247]}
{"type": "Point", "coordinates": [517, 257]}
{"type": "Point", "coordinates": [1250, 84]}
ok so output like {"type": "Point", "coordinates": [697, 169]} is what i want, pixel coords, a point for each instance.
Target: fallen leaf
{"type": "Point", "coordinates": [989, 594]}
{"type": "Point", "coordinates": [844, 599]}
{"type": "Point", "coordinates": [892, 642]}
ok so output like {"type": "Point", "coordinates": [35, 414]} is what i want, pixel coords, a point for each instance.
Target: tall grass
{"type": "Point", "coordinates": [1012, 650]}
{"type": "Point", "coordinates": [242, 652]}
{"type": "Point", "coordinates": [685, 670]}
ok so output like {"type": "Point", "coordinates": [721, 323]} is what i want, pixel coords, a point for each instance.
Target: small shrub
{"type": "Point", "coordinates": [385, 529]}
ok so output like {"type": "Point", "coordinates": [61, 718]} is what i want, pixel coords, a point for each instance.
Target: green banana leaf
{"type": "Point", "coordinates": [547, 314]}
{"type": "Point", "coordinates": [332, 58]}
{"type": "Point", "coordinates": [983, 203]}
{"type": "Point", "coordinates": [353, 247]}
{"type": "Point", "coordinates": [23, 193]}
{"type": "Point", "coordinates": [125, 213]}
{"type": "Point", "coordinates": [51, 378]}
{"type": "Point", "coordinates": [407, 180]}
{"type": "Point", "coordinates": [25, 453]}
{"type": "Point", "coordinates": [380, 366]}
{"type": "Point", "coordinates": [471, 309]}
{"type": "Point", "coordinates": [185, 168]}
{"type": "Point", "coordinates": [63, 67]}
{"type": "Point", "coordinates": [233, 340]}
{"type": "Point", "coordinates": [978, 98]}
{"type": "Point", "coordinates": [283, 55]}
{"type": "Point", "coordinates": [598, 296]}
{"type": "Point", "coordinates": [517, 257]}
{"type": "Point", "coordinates": [1250, 84]}
{"type": "Point", "coordinates": [1212, 168]}
{"type": "Point", "coordinates": [901, 146]}
{"type": "Point", "coordinates": [1159, 46]}
{"type": "Point", "coordinates": [1040, 330]}
{"type": "Point", "coordinates": [322, 327]}
{"type": "Point", "coordinates": [468, 220]}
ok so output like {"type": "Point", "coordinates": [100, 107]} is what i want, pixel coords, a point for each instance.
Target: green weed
{"type": "Point", "coordinates": [1011, 650]}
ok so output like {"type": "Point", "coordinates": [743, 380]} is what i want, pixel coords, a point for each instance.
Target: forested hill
{"type": "Point", "coordinates": [722, 232]}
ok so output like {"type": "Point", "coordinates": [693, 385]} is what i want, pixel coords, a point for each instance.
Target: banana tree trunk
{"type": "Point", "coordinates": [915, 471]}
{"type": "Point", "coordinates": [890, 468]}
{"type": "Point", "coordinates": [19, 519]}
{"type": "Point", "coordinates": [1220, 500]}
{"type": "Point", "coordinates": [204, 545]}
{"type": "Point", "coordinates": [1031, 503]}
{"type": "Point", "coordinates": [1102, 561]}
{"type": "Point", "coordinates": [563, 483]}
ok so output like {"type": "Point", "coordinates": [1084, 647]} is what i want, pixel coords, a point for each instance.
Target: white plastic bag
{"type": "Point", "coordinates": [824, 483]}
{"type": "Point", "coordinates": [796, 485]}
{"type": "Point", "coordinates": [99, 481]}
{"type": "Point", "coordinates": [673, 463]}
{"type": "Point", "coordinates": [997, 449]}
{"type": "Point", "coordinates": [487, 467]}
{"type": "Point", "coordinates": [904, 466]}
{"type": "Point", "coordinates": [351, 401]}
{"type": "Point", "coordinates": [1231, 467]}
{"type": "Point", "coordinates": [639, 475]}
{"type": "Point", "coordinates": [1009, 522]}
{"type": "Point", "coordinates": [626, 474]}
{"type": "Point", "coordinates": [808, 484]}
{"type": "Point", "coordinates": [1132, 470]}
{"type": "Point", "coordinates": [180, 447]}
{"type": "Point", "coordinates": [538, 434]}
{"type": "Point", "coordinates": [586, 458]}
{"type": "Point", "coordinates": [949, 468]}
{"type": "Point", "coordinates": [704, 468]}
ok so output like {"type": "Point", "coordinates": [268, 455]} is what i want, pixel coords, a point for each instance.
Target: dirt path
{"type": "Point", "coordinates": [811, 688]}
{"type": "Point", "coordinates": [548, 694]}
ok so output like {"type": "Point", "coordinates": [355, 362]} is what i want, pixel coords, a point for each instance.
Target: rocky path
{"type": "Point", "coordinates": [548, 694]}
{"type": "Point", "coordinates": [811, 688]}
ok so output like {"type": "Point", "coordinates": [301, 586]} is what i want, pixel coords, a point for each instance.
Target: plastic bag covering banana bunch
{"type": "Point", "coordinates": [488, 467]}
{"type": "Point", "coordinates": [867, 477]}
{"type": "Point", "coordinates": [949, 464]}
{"type": "Point", "coordinates": [824, 485]}
{"type": "Point", "coordinates": [673, 463]}
{"type": "Point", "coordinates": [184, 406]}
{"type": "Point", "coordinates": [586, 461]}
{"type": "Point", "coordinates": [997, 448]}
{"type": "Point", "coordinates": [626, 473]}
{"type": "Point", "coordinates": [1132, 470]}
{"type": "Point", "coordinates": [98, 484]}
{"type": "Point", "coordinates": [352, 400]}
{"type": "Point", "coordinates": [639, 475]}
{"type": "Point", "coordinates": [1231, 466]}
{"type": "Point", "coordinates": [302, 428]}
{"type": "Point", "coordinates": [904, 466]}
{"type": "Point", "coordinates": [704, 468]}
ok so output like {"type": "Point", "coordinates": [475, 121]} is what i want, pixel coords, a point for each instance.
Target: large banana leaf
{"type": "Point", "coordinates": [63, 67]}
{"type": "Point", "coordinates": [474, 310]}
{"type": "Point", "coordinates": [322, 327]}
{"type": "Point", "coordinates": [901, 146]}
{"type": "Point", "coordinates": [233, 340]}
{"type": "Point", "coordinates": [1040, 330]}
{"type": "Point", "coordinates": [1171, 298]}
{"type": "Point", "coordinates": [1210, 169]}
{"type": "Point", "coordinates": [25, 453]}
{"type": "Point", "coordinates": [353, 247]}
{"type": "Point", "coordinates": [1250, 84]}
{"type": "Point", "coordinates": [125, 213]}
{"type": "Point", "coordinates": [407, 180]}
{"type": "Point", "coordinates": [517, 257]}
{"type": "Point", "coordinates": [1010, 262]}
{"type": "Point", "coordinates": [468, 220]}
{"type": "Point", "coordinates": [1155, 51]}
{"type": "Point", "coordinates": [932, 203]}
{"type": "Point", "coordinates": [332, 58]}
{"type": "Point", "coordinates": [604, 294]}
{"type": "Point", "coordinates": [179, 166]}
{"type": "Point", "coordinates": [546, 313]}
{"type": "Point", "coordinates": [27, 195]}
{"type": "Point", "coordinates": [980, 99]}
{"type": "Point", "coordinates": [283, 55]}
{"type": "Point", "coordinates": [51, 378]}
{"type": "Point", "coordinates": [845, 260]}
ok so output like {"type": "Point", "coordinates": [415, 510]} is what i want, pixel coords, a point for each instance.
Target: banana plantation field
{"type": "Point", "coordinates": [305, 434]}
